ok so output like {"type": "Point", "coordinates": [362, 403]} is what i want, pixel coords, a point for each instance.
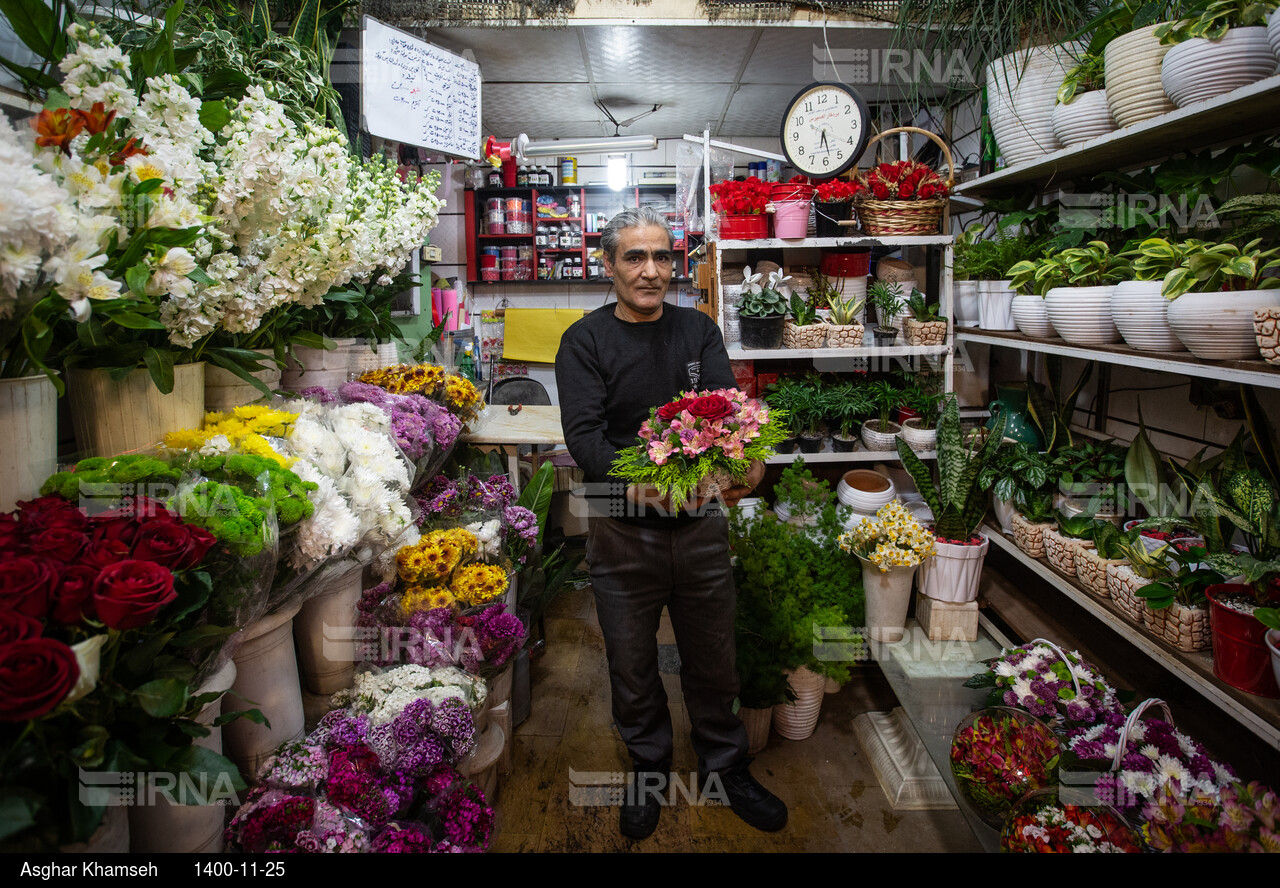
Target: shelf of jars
{"type": "Point", "coordinates": [1233, 116]}
{"type": "Point", "coordinates": [1250, 372]}
{"type": "Point", "coordinates": [1258, 715]}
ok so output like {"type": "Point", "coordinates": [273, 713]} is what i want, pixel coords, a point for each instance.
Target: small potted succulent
{"type": "Point", "coordinates": [925, 325]}
{"type": "Point", "coordinates": [880, 433]}
{"type": "Point", "coordinates": [844, 327]}
{"type": "Point", "coordinates": [762, 312]}
{"type": "Point", "coordinates": [802, 328]}
{"type": "Point", "coordinates": [886, 296]}
{"type": "Point", "coordinates": [1065, 538]}
{"type": "Point", "coordinates": [1093, 561]}
{"type": "Point", "coordinates": [1032, 516]}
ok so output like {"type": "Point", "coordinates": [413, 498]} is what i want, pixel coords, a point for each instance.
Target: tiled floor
{"type": "Point", "coordinates": [834, 800]}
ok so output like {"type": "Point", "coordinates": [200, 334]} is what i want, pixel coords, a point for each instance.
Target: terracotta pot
{"type": "Point", "coordinates": [1240, 654]}
{"type": "Point", "coordinates": [954, 572]}
{"type": "Point", "coordinates": [1186, 628]}
{"type": "Point", "coordinates": [1123, 583]}
{"type": "Point", "coordinates": [798, 719]}
{"type": "Point", "coordinates": [28, 437]}
{"type": "Point", "coordinates": [1091, 570]}
{"type": "Point", "coordinates": [111, 417]}
{"type": "Point", "coordinates": [757, 723]}
{"type": "Point", "coordinates": [1028, 537]}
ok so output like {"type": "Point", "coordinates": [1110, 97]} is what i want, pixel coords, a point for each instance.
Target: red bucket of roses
{"type": "Point", "coordinates": [741, 208]}
{"type": "Point", "coordinates": [905, 197]}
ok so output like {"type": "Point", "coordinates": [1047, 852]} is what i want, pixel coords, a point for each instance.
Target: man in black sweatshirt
{"type": "Point", "coordinates": [613, 366]}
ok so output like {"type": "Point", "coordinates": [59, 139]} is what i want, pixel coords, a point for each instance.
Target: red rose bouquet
{"type": "Point", "coordinates": [839, 190]}
{"type": "Point", "coordinates": [700, 436]}
{"type": "Point", "coordinates": [904, 180]}
{"type": "Point", "coordinates": [732, 198]}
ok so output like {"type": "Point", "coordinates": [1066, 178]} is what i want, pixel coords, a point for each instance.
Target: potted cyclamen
{"type": "Point", "coordinates": [1214, 293]}
{"type": "Point", "coordinates": [959, 504]}
{"type": "Point", "coordinates": [1225, 37]}
{"type": "Point", "coordinates": [740, 208]}
{"type": "Point", "coordinates": [763, 310]}
{"type": "Point", "coordinates": [880, 433]}
{"type": "Point", "coordinates": [833, 204]}
{"type": "Point", "coordinates": [802, 329]}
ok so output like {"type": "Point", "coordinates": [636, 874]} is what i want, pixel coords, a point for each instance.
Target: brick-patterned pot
{"type": "Point", "coordinates": [808, 336]}
{"type": "Point", "coordinates": [1186, 628]}
{"type": "Point", "coordinates": [925, 332]}
{"type": "Point", "coordinates": [1123, 583]}
{"type": "Point", "coordinates": [1266, 328]}
{"type": "Point", "coordinates": [845, 335]}
{"type": "Point", "coordinates": [1091, 570]}
{"type": "Point", "coordinates": [1061, 550]}
{"type": "Point", "coordinates": [1028, 537]}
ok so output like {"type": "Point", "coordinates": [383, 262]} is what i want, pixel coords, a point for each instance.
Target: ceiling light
{"type": "Point", "coordinates": [617, 172]}
{"type": "Point", "coordinates": [524, 148]}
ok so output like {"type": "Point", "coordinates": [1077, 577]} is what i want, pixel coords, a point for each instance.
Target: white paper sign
{"type": "Point", "coordinates": [416, 93]}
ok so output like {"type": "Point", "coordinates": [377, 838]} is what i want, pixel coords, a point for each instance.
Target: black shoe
{"type": "Point", "coordinates": [642, 803]}
{"type": "Point", "coordinates": [749, 800]}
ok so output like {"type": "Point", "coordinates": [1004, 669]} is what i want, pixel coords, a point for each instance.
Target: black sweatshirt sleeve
{"type": "Point", "coordinates": [581, 387]}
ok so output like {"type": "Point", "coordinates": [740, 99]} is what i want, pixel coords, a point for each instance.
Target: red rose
{"type": "Point", "coordinates": [18, 627]}
{"type": "Point", "coordinates": [149, 509]}
{"type": "Point", "coordinates": [881, 191]}
{"type": "Point", "coordinates": [50, 512]}
{"type": "Point", "coordinates": [11, 537]}
{"type": "Point", "coordinates": [668, 412]}
{"type": "Point", "coordinates": [101, 553]}
{"type": "Point", "coordinates": [116, 525]}
{"type": "Point", "coordinates": [171, 544]}
{"type": "Point", "coordinates": [26, 585]}
{"type": "Point", "coordinates": [35, 676]}
{"type": "Point", "coordinates": [129, 593]}
{"type": "Point", "coordinates": [906, 190]}
{"type": "Point", "coordinates": [711, 407]}
{"type": "Point", "coordinates": [62, 544]}
{"type": "Point", "coordinates": [73, 599]}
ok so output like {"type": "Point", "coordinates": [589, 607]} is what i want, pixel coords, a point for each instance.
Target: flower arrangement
{"type": "Point", "coordinates": [436, 572]}
{"type": "Point", "coordinates": [452, 692]}
{"type": "Point", "coordinates": [698, 435]}
{"type": "Point", "coordinates": [893, 538]}
{"type": "Point", "coordinates": [1240, 818]}
{"type": "Point", "coordinates": [243, 430]}
{"type": "Point", "coordinates": [455, 392]}
{"type": "Point", "coordinates": [744, 198]}
{"type": "Point", "coordinates": [1039, 678]}
{"type": "Point", "coordinates": [1043, 824]}
{"type": "Point", "coordinates": [839, 190]}
{"type": "Point", "coordinates": [998, 755]}
{"type": "Point", "coordinates": [904, 180]}
{"type": "Point", "coordinates": [487, 509]}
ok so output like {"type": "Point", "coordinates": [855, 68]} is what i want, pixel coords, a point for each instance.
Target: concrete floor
{"type": "Point", "coordinates": [835, 802]}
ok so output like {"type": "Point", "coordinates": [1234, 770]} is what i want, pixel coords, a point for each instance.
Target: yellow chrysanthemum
{"type": "Point", "coordinates": [478, 583]}
{"type": "Point", "coordinates": [186, 439]}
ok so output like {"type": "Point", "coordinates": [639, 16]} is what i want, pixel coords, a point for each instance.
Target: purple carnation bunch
{"type": "Point", "coordinates": [404, 838]}
{"type": "Point", "coordinates": [417, 423]}
{"type": "Point", "coordinates": [467, 819]}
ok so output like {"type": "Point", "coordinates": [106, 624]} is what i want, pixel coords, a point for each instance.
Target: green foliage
{"type": "Point", "coordinates": [844, 312]}
{"type": "Point", "coordinates": [1091, 468]}
{"type": "Point", "coordinates": [1051, 406]}
{"type": "Point", "coordinates": [802, 311]}
{"type": "Point", "coordinates": [1211, 19]}
{"type": "Point", "coordinates": [763, 298]}
{"type": "Point", "coordinates": [806, 497]}
{"type": "Point", "coordinates": [882, 396]}
{"type": "Point", "coordinates": [1015, 469]}
{"type": "Point", "coordinates": [1091, 265]}
{"type": "Point", "coordinates": [1185, 584]}
{"type": "Point", "coordinates": [1035, 505]}
{"type": "Point", "coordinates": [848, 404]}
{"type": "Point", "coordinates": [1208, 267]}
{"type": "Point", "coordinates": [1257, 214]}
{"type": "Point", "coordinates": [990, 258]}
{"type": "Point", "coordinates": [922, 392]}
{"type": "Point", "coordinates": [1078, 527]}
{"type": "Point", "coordinates": [1106, 540]}
{"type": "Point", "coordinates": [923, 310]}
{"type": "Point", "coordinates": [886, 296]}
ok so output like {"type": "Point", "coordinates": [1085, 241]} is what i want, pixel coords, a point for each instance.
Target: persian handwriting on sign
{"type": "Point", "coordinates": [419, 94]}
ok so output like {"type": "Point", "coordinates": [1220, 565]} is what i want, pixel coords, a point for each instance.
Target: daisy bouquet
{"type": "Point", "coordinates": [893, 538]}
{"type": "Point", "coordinates": [1043, 679]}
{"type": "Point", "coordinates": [440, 571]}
{"type": "Point", "coordinates": [700, 443]}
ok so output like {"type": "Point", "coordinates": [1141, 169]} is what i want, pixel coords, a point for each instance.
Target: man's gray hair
{"type": "Point", "coordinates": [640, 217]}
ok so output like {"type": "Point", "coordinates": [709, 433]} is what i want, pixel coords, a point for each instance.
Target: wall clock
{"type": "Point", "coordinates": [825, 130]}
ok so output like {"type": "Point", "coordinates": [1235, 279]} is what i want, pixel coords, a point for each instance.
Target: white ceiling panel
{"type": "Point", "coordinates": [531, 55]}
{"type": "Point", "coordinates": [667, 54]}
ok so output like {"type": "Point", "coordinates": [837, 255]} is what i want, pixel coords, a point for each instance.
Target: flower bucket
{"type": "Point", "coordinates": [888, 595]}
{"type": "Point", "coordinates": [791, 218]}
{"type": "Point", "coordinates": [223, 390]}
{"type": "Point", "coordinates": [757, 722]}
{"type": "Point", "coordinates": [324, 634]}
{"type": "Point", "coordinates": [111, 417]}
{"type": "Point", "coordinates": [845, 263]}
{"type": "Point", "coordinates": [828, 214]}
{"type": "Point", "coordinates": [28, 437]}
{"type": "Point", "coordinates": [790, 191]}
{"type": "Point", "coordinates": [1240, 654]}
{"type": "Point", "coordinates": [954, 571]}
{"type": "Point", "coordinates": [798, 719]}
{"type": "Point", "coordinates": [754, 226]}
{"type": "Point", "coordinates": [317, 366]}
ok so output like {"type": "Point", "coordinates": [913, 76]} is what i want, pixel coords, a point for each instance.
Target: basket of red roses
{"type": "Point", "coordinates": [905, 196]}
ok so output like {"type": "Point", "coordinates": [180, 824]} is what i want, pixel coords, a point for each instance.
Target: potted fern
{"type": "Point", "coordinates": [925, 325]}
{"type": "Point", "coordinates": [959, 504]}
{"type": "Point", "coordinates": [802, 329]}
{"type": "Point", "coordinates": [844, 324]}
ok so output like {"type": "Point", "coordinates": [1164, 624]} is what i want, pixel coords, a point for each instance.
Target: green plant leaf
{"type": "Point", "coordinates": [160, 366]}
{"type": "Point", "coordinates": [536, 495]}
{"type": "Point", "coordinates": [162, 698]}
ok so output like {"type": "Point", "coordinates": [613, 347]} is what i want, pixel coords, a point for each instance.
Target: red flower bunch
{"type": "Point", "coordinates": [745, 198]}
{"type": "Point", "coordinates": [1037, 827]}
{"type": "Point", "coordinates": [63, 573]}
{"type": "Point", "coordinates": [904, 180]}
{"type": "Point", "coordinates": [837, 190]}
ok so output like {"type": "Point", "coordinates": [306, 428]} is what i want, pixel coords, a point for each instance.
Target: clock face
{"type": "Point", "coordinates": [825, 129]}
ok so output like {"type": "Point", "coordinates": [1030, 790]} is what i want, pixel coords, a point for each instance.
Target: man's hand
{"type": "Point", "coordinates": [755, 475]}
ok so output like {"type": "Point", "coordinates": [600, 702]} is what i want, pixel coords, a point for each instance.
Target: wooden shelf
{"type": "Point", "coordinates": [852, 240]}
{"type": "Point", "coordinates": [1233, 117]}
{"type": "Point", "coordinates": [1251, 372]}
{"type": "Point", "coordinates": [1259, 715]}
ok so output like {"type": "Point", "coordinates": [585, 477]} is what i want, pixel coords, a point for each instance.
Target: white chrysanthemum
{"type": "Point", "coordinates": [1169, 768]}
{"type": "Point", "coordinates": [1139, 785]}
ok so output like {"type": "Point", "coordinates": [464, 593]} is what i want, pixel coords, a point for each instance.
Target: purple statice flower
{"type": "Point", "coordinates": [452, 720]}
{"type": "Point", "coordinates": [319, 394]}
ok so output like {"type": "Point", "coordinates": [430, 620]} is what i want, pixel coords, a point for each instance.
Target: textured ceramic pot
{"type": "Point", "coordinates": [927, 333]}
{"type": "Point", "coordinates": [1186, 628]}
{"type": "Point", "coordinates": [1082, 315]}
{"type": "Point", "coordinates": [954, 572]}
{"type": "Point", "coordinates": [1266, 330]}
{"type": "Point", "coordinates": [1029, 537]}
{"type": "Point", "coordinates": [876, 438]}
{"type": "Point", "coordinates": [994, 300]}
{"type": "Point", "coordinates": [1219, 326]}
{"type": "Point", "coordinates": [798, 719]}
{"type": "Point", "coordinates": [1123, 583]}
{"type": "Point", "coordinates": [1091, 570]}
{"type": "Point", "coordinates": [1061, 550]}
{"type": "Point", "coordinates": [1141, 315]}
{"type": "Point", "coordinates": [1022, 90]}
{"type": "Point", "coordinates": [845, 335]}
{"type": "Point", "coordinates": [1273, 33]}
{"type": "Point", "coordinates": [888, 596]}
{"type": "Point", "coordinates": [1199, 69]}
{"type": "Point", "coordinates": [1134, 91]}
{"type": "Point", "coordinates": [757, 723]}
{"type": "Point", "coordinates": [1030, 315]}
{"type": "Point", "coordinates": [808, 336]}
{"type": "Point", "coordinates": [1085, 117]}
{"type": "Point", "coordinates": [918, 439]}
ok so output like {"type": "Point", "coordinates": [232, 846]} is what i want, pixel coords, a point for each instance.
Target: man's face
{"type": "Point", "coordinates": [641, 271]}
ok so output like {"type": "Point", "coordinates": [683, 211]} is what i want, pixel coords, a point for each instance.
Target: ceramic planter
{"type": "Point", "coordinates": [1266, 330]}
{"type": "Point", "coordinates": [1273, 33]}
{"type": "Point", "coordinates": [925, 332]}
{"type": "Point", "coordinates": [224, 391]}
{"type": "Point", "coordinates": [480, 767]}
{"type": "Point", "coordinates": [844, 335]}
{"type": "Point", "coordinates": [1186, 628]}
{"type": "Point", "coordinates": [317, 366]}
{"type": "Point", "coordinates": [1141, 315]}
{"type": "Point", "coordinates": [1022, 90]}
{"type": "Point", "coordinates": [865, 491]}
{"type": "Point", "coordinates": [994, 301]}
{"type": "Point", "coordinates": [1085, 117]}
{"type": "Point", "coordinates": [808, 336]}
{"type": "Point", "coordinates": [1123, 583]}
{"type": "Point", "coordinates": [762, 333]}
{"type": "Point", "coordinates": [324, 634]}
{"type": "Point", "coordinates": [1219, 326]}
{"type": "Point", "coordinates": [1030, 315]}
{"type": "Point", "coordinates": [877, 437]}
{"type": "Point", "coordinates": [918, 439]}
{"type": "Point", "coordinates": [888, 596]}
{"type": "Point", "coordinates": [966, 304]}
{"type": "Point", "coordinates": [798, 719]}
{"type": "Point", "coordinates": [111, 416]}
{"type": "Point", "coordinates": [757, 723]}
{"type": "Point", "coordinates": [28, 437]}
{"type": "Point", "coordinates": [1240, 654]}
{"type": "Point", "coordinates": [954, 571]}
{"type": "Point", "coordinates": [1200, 69]}
{"type": "Point", "coordinates": [1091, 570]}
{"type": "Point", "coordinates": [1029, 537]}
{"type": "Point", "coordinates": [1061, 550]}
{"type": "Point", "coordinates": [1003, 510]}
{"type": "Point", "coordinates": [1134, 91]}
{"type": "Point", "coordinates": [1082, 315]}
{"type": "Point", "coordinates": [1272, 641]}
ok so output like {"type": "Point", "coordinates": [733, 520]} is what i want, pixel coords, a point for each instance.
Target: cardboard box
{"type": "Point", "coordinates": [745, 374]}
{"type": "Point", "coordinates": [764, 380]}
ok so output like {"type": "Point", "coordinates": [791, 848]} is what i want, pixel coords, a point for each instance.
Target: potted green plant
{"type": "Point", "coordinates": [924, 397]}
{"type": "Point", "coordinates": [1140, 567]}
{"type": "Point", "coordinates": [1139, 310]}
{"type": "Point", "coordinates": [1089, 472]}
{"type": "Point", "coordinates": [1133, 56]}
{"type": "Point", "coordinates": [763, 309]}
{"type": "Point", "coordinates": [802, 328]}
{"type": "Point", "coordinates": [844, 324]}
{"type": "Point", "coordinates": [1211, 323]}
{"type": "Point", "coordinates": [989, 261]}
{"type": "Point", "coordinates": [959, 504]}
{"type": "Point", "coordinates": [880, 433]}
{"type": "Point", "coordinates": [1227, 37]}
{"type": "Point", "coordinates": [1177, 609]}
{"type": "Point", "coordinates": [1015, 467]}
{"type": "Point", "coordinates": [786, 393]}
{"type": "Point", "coordinates": [1062, 541]}
{"type": "Point", "coordinates": [1051, 405]}
{"type": "Point", "coordinates": [1093, 561]}
{"type": "Point", "coordinates": [812, 401]}
{"type": "Point", "coordinates": [847, 406]}
{"type": "Point", "coordinates": [1080, 307]}
{"type": "Point", "coordinates": [926, 325]}
{"type": "Point", "coordinates": [886, 296]}
{"type": "Point", "coordinates": [1082, 112]}
{"type": "Point", "coordinates": [1030, 279]}
{"type": "Point", "coordinates": [964, 280]}
{"type": "Point", "coordinates": [1032, 516]}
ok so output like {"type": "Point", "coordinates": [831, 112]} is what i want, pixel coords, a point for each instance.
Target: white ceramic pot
{"type": "Point", "coordinates": [324, 632]}
{"type": "Point", "coordinates": [853, 288]}
{"type": "Point", "coordinates": [994, 300]}
{"type": "Point", "coordinates": [266, 679]}
{"type": "Point", "coordinates": [865, 491]}
{"type": "Point", "coordinates": [1141, 315]}
{"type": "Point", "coordinates": [1219, 326]}
{"type": "Point", "coordinates": [880, 439]}
{"type": "Point", "coordinates": [28, 437]}
{"type": "Point", "coordinates": [1273, 33]}
{"type": "Point", "coordinates": [1199, 69]}
{"type": "Point", "coordinates": [888, 596]}
{"type": "Point", "coordinates": [918, 439]}
{"type": "Point", "coordinates": [1134, 91]}
{"type": "Point", "coordinates": [1031, 316]}
{"type": "Point", "coordinates": [1022, 90]}
{"type": "Point", "coordinates": [1003, 509]}
{"type": "Point", "coordinates": [1085, 117]}
{"type": "Point", "coordinates": [798, 719]}
{"type": "Point", "coordinates": [1266, 331]}
{"type": "Point", "coordinates": [965, 310]}
{"type": "Point", "coordinates": [954, 571]}
{"type": "Point", "coordinates": [1082, 315]}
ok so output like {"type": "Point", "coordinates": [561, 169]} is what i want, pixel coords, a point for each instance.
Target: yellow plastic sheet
{"type": "Point", "coordinates": [533, 334]}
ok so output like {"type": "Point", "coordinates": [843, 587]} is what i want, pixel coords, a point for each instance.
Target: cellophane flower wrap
{"type": "Point", "coordinates": [1036, 678]}
{"type": "Point", "coordinates": [893, 538]}
{"type": "Point", "coordinates": [441, 570]}
{"type": "Point", "coordinates": [486, 508]}
{"type": "Point", "coordinates": [1238, 818]}
{"type": "Point", "coordinates": [696, 436]}
{"type": "Point", "coordinates": [457, 393]}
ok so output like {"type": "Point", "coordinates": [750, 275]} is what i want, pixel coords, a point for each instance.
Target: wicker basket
{"type": "Point", "coordinates": [905, 217]}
